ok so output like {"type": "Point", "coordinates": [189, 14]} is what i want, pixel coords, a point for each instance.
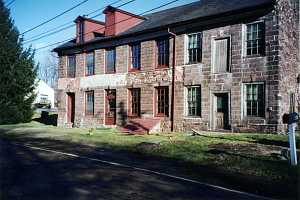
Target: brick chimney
{"type": "Point", "coordinates": [87, 29]}
{"type": "Point", "coordinates": [118, 21]}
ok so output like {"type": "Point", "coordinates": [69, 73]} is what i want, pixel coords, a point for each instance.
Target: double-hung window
{"type": "Point", "coordinates": [255, 41]}
{"type": "Point", "coordinates": [194, 48]}
{"type": "Point", "coordinates": [90, 64]}
{"type": "Point", "coordinates": [193, 101]}
{"type": "Point", "coordinates": [111, 60]}
{"type": "Point", "coordinates": [89, 103]}
{"type": "Point", "coordinates": [162, 53]}
{"type": "Point", "coordinates": [71, 69]}
{"type": "Point", "coordinates": [162, 94]}
{"type": "Point", "coordinates": [136, 56]}
{"type": "Point", "coordinates": [254, 99]}
{"type": "Point", "coordinates": [135, 101]}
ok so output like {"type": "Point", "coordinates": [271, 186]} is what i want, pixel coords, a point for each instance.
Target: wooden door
{"type": "Point", "coordinates": [222, 113]}
{"type": "Point", "coordinates": [110, 107]}
{"type": "Point", "coordinates": [71, 107]}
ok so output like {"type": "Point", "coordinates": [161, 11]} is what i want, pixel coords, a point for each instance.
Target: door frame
{"type": "Point", "coordinates": [106, 108]}
{"type": "Point", "coordinates": [71, 100]}
{"type": "Point", "coordinates": [213, 107]}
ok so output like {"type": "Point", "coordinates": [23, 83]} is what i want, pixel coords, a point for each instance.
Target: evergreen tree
{"type": "Point", "coordinates": [17, 73]}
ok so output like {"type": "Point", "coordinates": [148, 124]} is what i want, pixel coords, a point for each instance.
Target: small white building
{"type": "Point", "coordinates": [44, 94]}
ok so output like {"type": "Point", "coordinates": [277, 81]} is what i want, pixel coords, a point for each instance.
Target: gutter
{"type": "Point", "coordinates": [173, 79]}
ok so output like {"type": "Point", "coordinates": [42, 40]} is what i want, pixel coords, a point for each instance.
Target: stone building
{"type": "Point", "coordinates": [236, 68]}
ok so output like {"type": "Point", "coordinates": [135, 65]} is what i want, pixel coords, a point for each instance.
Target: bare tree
{"type": "Point", "coordinates": [48, 71]}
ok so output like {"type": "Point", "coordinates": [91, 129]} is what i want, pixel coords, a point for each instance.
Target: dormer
{"type": "Point", "coordinates": [118, 21]}
{"type": "Point", "coordinates": [88, 29]}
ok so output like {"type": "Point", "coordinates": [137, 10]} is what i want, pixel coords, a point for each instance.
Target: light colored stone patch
{"type": "Point", "coordinates": [103, 80]}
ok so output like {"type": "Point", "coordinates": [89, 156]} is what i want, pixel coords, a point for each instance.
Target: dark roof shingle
{"type": "Point", "coordinates": [196, 10]}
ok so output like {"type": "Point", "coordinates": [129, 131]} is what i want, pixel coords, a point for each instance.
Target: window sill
{"type": "Point", "coordinates": [162, 67]}
{"type": "Point", "coordinates": [254, 56]}
{"type": "Point", "coordinates": [133, 116]}
{"type": "Point", "coordinates": [110, 72]}
{"type": "Point", "coordinates": [192, 117]}
{"type": "Point", "coordinates": [134, 70]}
{"type": "Point", "coordinates": [87, 75]}
{"type": "Point", "coordinates": [161, 115]}
{"type": "Point", "coordinates": [193, 64]}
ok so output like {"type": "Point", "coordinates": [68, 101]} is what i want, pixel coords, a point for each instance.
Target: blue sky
{"type": "Point", "coordinates": [29, 13]}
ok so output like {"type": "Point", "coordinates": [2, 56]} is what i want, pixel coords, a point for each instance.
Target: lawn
{"type": "Point", "coordinates": [255, 156]}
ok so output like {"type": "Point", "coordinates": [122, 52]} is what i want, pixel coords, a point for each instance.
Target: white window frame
{"type": "Point", "coordinates": [186, 108]}
{"type": "Point", "coordinates": [243, 98]}
{"type": "Point", "coordinates": [244, 38]}
{"type": "Point", "coordinates": [186, 44]}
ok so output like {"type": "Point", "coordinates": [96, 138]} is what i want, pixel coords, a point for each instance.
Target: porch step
{"type": "Point", "coordinates": [141, 126]}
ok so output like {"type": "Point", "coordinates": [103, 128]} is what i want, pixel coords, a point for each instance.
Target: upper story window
{"type": "Point", "coordinates": [136, 56]}
{"type": "Point", "coordinates": [89, 103]}
{"type": "Point", "coordinates": [162, 52]}
{"type": "Point", "coordinates": [194, 48]}
{"type": "Point", "coordinates": [111, 60]}
{"type": "Point", "coordinates": [254, 99]}
{"type": "Point", "coordinates": [194, 101]}
{"type": "Point", "coordinates": [255, 41]}
{"type": "Point", "coordinates": [221, 55]}
{"type": "Point", "coordinates": [90, 64]}
{"type": "Point", "coordinates": [71, 67]}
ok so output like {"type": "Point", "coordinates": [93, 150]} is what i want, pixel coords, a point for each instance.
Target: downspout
{"type": "Point", "coordinates": [173, 80]}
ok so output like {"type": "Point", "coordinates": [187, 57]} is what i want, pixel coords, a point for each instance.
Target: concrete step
{"type": "Point", "coordinates": [141, 126]}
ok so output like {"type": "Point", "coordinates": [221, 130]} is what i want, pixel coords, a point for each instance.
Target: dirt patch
{"type": "Point", "coordinates": [147, 146]}
{"type": "Point", "coordinates": [247, 149]}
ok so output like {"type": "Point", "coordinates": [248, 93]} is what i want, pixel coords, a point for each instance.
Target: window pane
{"type": "Point", "coordinates": [255, 100]}
{"type": "Point", "coordinates": [135, 101]}
{"type": "Point", "coordinates": [89, 102]}
{"type": "Point", "coordinates": [71, 66]}
{"type": "Point", "coordinates": [195, 48]}
{"type": "Point", "coordinates": [255, 38]}
{"type": "Point", "coordinates": [136, 56]}
{"type": "Point", "coordinates": [90, 64]}
{"type": "Point", "coordinates": [163, 101]}
{"type": "Point", "coordinates": [193, 101]}
{"type": "Point", "coordinates": [110, 60]}
{"type": "Point", "coordinates": [163, 53]}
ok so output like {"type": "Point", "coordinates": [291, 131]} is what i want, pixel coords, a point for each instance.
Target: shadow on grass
{"type": "Point", "coordinates": [209, 173]}
{"type": "Point", "coordinates": [256, 140]}
{"type": "Point", "coordinates": [47, 119]}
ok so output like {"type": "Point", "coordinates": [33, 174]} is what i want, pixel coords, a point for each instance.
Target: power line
{"type": "Point", "coordinates": [11, 2]}
{"type": "Point", "coordinates": [55, 17]}
{"type": "Point", "coordinates": [128, 2]}
{"type": "Point", "coordinates": [63, 26]}
{"type": "Point", "coordinates": [163, 5]}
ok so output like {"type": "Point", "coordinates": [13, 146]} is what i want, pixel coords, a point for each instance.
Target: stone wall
{"type": "Point", "coordinates": [276, 69]}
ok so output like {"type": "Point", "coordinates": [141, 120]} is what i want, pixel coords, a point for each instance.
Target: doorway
{"type": "Point", "coordinates": [71, 108]}
{"type": "Point", "coordinates": [221, 111]}
{"type": "Point", "coordinates": [110, 107]}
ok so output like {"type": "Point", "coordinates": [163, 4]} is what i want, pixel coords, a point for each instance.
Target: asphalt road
{"type": "Point", "coordinates": [46, 172]}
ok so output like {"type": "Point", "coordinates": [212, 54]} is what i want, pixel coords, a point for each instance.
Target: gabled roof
{"type": "Point", "coordinates": [198, 10]}
{"type": "Point", "coordinates": [195, 10]}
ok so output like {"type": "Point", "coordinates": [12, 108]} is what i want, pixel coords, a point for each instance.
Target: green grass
{"type": "Point", "coordinates": [248, 155]}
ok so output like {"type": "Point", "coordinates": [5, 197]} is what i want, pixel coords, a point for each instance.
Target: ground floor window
{"type": "Point", "coordinates": [254, 99]}
{"type": "Point", "coordinates": [162, 101]}
{"type": "Point", "coordinates": [193, 101]}
{"type": "Point", "coordinates": [89, 102]}
{"type": "Point", "coordinates": [135, 100]}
